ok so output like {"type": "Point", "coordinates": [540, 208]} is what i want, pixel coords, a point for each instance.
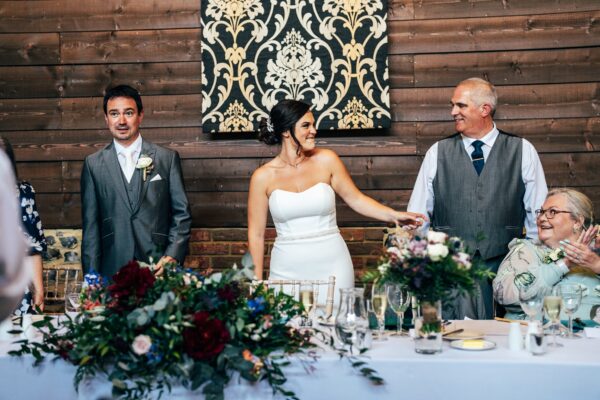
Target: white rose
{"type": "Point", "coordinates": [395, 251]}
{"type": "Point", "coordinates": [383, 268]}
{"type": "Point", "coordinates": [436, 237]}
{"type": "Point", "coordinates": [141, 344]}
{"type": "Point", "coordinates": [187, 280]}
{"type": "Point", "coordinates": [556, 254]}
{"type": "Point", "coordinates": [437, 251]}
{"type": "Point", "coordinates": [143, 162]}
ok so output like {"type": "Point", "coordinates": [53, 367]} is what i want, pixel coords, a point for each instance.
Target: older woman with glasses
{"type": "Point", "coordinates": [566, 232]}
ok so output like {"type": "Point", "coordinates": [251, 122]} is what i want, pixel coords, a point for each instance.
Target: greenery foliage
{"type": "Point", "coordinates": [147, 333]}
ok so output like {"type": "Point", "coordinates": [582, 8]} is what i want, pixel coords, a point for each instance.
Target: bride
{"type": "Point", "coordinates": [298, 186]}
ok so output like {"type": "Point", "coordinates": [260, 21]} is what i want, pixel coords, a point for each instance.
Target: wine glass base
{"type": "Point", "coordinates": [380, 338]}
{"type": "Point", "coordinates": [565, 335]}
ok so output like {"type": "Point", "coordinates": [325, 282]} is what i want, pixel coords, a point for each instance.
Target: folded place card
{"type": "Point", "coordinates": [592, 332]}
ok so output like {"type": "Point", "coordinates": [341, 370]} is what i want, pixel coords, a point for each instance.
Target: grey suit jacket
{"type": "Point", "coordinates": [114, 232]}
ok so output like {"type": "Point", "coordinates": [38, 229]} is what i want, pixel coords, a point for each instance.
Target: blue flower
{"type": "Point", "coordinates": [256, 305]}
{"type": "Point", "coordinates": [92, 278]}
{"type": "Point", "coordinates": [153, 356]}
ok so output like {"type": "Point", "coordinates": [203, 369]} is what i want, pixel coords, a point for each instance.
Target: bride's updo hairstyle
{"type": "Point", "coordinates": [282, 118]}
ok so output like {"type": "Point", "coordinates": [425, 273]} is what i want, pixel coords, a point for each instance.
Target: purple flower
{"type": "Point", "coordinates": [418, 247]}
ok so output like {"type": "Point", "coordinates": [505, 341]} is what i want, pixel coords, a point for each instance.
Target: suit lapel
{"type": "Point", "coordinates": [113, 169]}
{"type": "Point", "coordinates": [147, 150]}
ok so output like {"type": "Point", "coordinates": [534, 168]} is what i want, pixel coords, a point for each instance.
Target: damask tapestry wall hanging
{"type": "Point", "coordinates": [328, 53]}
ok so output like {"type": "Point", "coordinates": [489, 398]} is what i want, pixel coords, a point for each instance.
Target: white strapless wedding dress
{"type": "Point", "coordinates": [308, 243]}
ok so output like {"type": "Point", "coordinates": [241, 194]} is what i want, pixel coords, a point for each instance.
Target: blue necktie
{"type": "Point", "coordinates": [477, 156]}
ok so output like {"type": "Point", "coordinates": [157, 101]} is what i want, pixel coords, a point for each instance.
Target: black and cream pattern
{"type": "Point", "coordinates": [331, 54]}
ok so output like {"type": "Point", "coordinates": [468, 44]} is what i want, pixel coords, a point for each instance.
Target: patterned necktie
{"type": "Point", "coordinates": [477, 156]}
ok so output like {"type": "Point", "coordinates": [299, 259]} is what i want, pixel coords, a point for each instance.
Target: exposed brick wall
{"type": "Point", "coordinates": [219, 248]}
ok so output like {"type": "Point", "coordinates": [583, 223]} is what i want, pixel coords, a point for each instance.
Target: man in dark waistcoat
{"type": "Point", "coordinates": [134, 204]}
{"type": "Point", "coordinates": [480, 184]}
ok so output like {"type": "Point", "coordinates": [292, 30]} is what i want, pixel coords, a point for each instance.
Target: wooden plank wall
{"type": "Point", "coordinates": [57, 56]}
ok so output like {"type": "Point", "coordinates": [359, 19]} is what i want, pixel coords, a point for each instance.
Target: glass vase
{"type": "Point", "coordinates": [428, 328]}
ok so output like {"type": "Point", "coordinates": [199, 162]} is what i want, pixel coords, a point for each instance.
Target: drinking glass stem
{"type": "Point", "coordinates": [381, 327]}
{"type": "Point", "coordinates": [399, 320]}
{"type": "Point", "coordinates": [570, 326]}
{"type": "Point", "coordinates": [554, 328]}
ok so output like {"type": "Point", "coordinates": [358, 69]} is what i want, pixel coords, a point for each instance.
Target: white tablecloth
{"type": "Point", "coordinates": [569, 372]}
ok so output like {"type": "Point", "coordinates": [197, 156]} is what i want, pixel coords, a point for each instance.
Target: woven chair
{"type": "Point", "coordinates": [292, 287]}
{"type": "Point", "coordinates": [56, 281]}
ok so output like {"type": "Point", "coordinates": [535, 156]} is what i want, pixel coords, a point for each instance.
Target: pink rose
{"type": "Point", "coordinates": [141, 344]}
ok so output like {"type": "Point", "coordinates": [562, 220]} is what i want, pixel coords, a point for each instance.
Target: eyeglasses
{"type": "Point", "coordinates": [550, 213]}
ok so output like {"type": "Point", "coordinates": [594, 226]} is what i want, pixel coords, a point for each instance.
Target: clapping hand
{"type": "Point", "coordinates": [579, 253]}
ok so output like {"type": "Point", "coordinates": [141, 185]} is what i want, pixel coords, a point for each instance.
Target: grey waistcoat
{"type": "Point", "coordinates": [486, 211]}
{"type": "Point", "coordinates": [133, 189]}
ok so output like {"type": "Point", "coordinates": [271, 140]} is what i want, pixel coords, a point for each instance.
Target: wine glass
{"type": "Point", "coordinates": [378, 305]}
{"type": "Point", "coordinates": [73, 298]}
{"type": "Point", "coordinates": [552, 305]}
{"type": "Point", "coordinates": [399, 300]}
{"type": "Point", "coordinates": [307, 298]}
{"type": "Point", "coordinates": [531, 303]}
{"type": "Point", "coordinates": [571, 300]}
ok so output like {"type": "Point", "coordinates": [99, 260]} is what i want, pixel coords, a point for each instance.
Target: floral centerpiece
{"type": "Point", "coordinates": [433, 268]}
{"type": "Point", "coordinates": [150, 333]}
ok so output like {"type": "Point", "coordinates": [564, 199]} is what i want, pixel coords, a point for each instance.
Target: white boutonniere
{"type": "Point", "coordinates": [144, 163]}
{"type": "Point", "coordinates": [554, 255]}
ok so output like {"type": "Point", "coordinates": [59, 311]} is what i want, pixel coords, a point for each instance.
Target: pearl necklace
{"type": "Point", "coordinates": [289, 163]}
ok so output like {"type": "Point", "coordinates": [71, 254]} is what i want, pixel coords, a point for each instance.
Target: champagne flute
{"type": "Point", "coordinates": [571, 299]}
{"type": "Point", "coordinates": [531, 303]}
{"type": "Point", "coordinates": [378, 306]}
{"type": "Point", "coordinates": [552, 305]}
{"type": "Point", "coordinates": [307, 298]}
{"type": "Point", "coordinates": [73, 299]}
{"type": "Point", "coordinates": [399, 299]}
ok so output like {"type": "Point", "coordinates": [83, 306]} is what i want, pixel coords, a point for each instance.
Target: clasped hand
{"type": "Point", "coordinates": [409, 220]}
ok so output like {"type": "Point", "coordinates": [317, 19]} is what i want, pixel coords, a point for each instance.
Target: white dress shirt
{"type": "Point", "coordinates": [134, 148]}
{"type": "Point", "coordinates": [532, 172]}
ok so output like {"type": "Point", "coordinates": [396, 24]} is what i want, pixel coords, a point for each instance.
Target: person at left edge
{"type": "Point", "coordinates": [134, 204]}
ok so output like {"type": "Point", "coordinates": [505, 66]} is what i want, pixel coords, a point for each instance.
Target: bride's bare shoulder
{"type": "Point", "coordinates": [264, 173]}
{"type": "Point", "coordinates": [325, 156]}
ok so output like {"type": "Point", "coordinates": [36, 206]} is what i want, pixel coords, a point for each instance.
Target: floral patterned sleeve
{"type": "Point", "coordinates": [523, 267]}
{"type": "Point", "coordinates": [32, 224]}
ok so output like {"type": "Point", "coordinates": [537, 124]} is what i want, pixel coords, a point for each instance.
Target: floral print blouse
{"type": "Point", "coordinates": [32, 224]}
{"type": "Point", "coordinates": [32, 228]}
{"type": "Point", "coordinates": [527, 265]}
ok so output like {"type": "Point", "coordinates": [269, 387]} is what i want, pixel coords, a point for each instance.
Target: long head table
{"type": "Point", "coordinates": [569, 372]}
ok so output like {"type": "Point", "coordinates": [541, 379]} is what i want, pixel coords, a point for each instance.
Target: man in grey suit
{"type": "Point", "coordinates": [134, 204]}
{"type": "Point", "coordinates": [480, 184]}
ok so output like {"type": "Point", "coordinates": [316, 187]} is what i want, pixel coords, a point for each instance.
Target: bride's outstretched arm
{"type": "Point", "coordinates": [342, 183]}
{"type": "Point", "coordinates": [258, 207]}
